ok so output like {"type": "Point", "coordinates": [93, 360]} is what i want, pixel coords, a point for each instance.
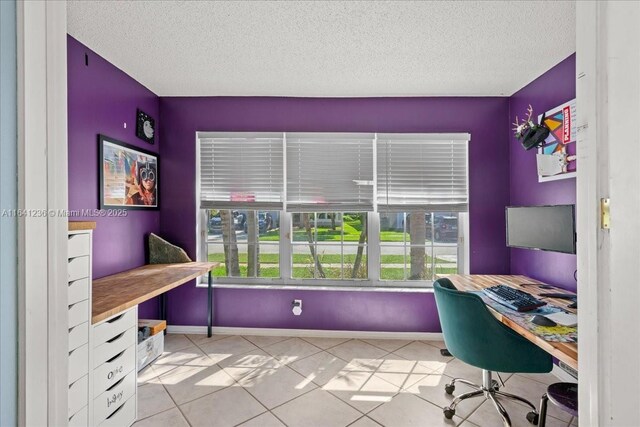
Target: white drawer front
{"type": "Point", "coordinates": [78, 290]}
{"type": "Point", "coordinates": [80, 419]}
{"type": "Point", "coordinates": [124, 416]}
{"type": "Point", "coordinates": [106, 351]}
{"type": "Point", "coordinates": [108, 329]}
{"type": "Point", "coordinates": [105, 404]}
{"type": "Point", "coordinates": [78, 335]}
{"type": "Point", "coordinates": [78, 363]}
{"type": "Point", "coordinates": [78, 313]}
{"type": "Point", "coordinates": [79, 245]}
{"type": "Point", "coordinates": [113, 370]}
{"type": "Point", "coordinates": [78, 395]}
{"type": "Point", "coordinates": [78, 268]}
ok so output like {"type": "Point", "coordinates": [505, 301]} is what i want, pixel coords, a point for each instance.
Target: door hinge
{"type": "Point", "coordinates": [605, 216]}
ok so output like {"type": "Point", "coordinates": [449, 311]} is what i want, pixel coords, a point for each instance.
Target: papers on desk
{"type": "Point", "coordinates": [564, 319]}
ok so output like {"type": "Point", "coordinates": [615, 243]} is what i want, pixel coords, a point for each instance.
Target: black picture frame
{"type": "Point", "coordinates": [141, 118]}
{"type": "Point", "coordinates": [121, 167]}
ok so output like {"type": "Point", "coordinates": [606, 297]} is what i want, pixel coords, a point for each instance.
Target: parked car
{"type": "Point", "coordinates": [215, 223]}
{"type": "Point", "coordinates": [445, 227]}
{"type": "Point", "coordinates": [265, 223]}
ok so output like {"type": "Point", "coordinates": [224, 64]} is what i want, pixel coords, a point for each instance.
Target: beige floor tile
{"type": "Point", "coordinates": [241, 366]}
{"type": "Point", "coordinates": [203, 338]}
{"type": "Point", "coordinates": [487, 415]}
{"type": "Point", "coordinates": [263, 341]}
{"type": "Point", "coordinates": [364, 422]}
{"type": "Point", "coordinates": [147, 375]}
{"type": "Point", "coordinates": [277, 386]}
{"type": "Point", "coordinates": [574, 421]}
{"type": "Point", "coordinates": [265, 420]}
{"type": "Point", "coordinates": [360, 389]}
{"type": "Point", "coordinates": [546, 379]}
{"type": "Point", "coordinates": [533, 391]}
{"type": "Point", "coordinates": [191, 356]}
{"type": "Point", "coordinates": [406, 410]}
{"type": "Point", "coordinates": [291, 350]}
{"type": "Point", "coordinates": [316, 409]}
{"type": "Point", "coordinates": [153, 399]}
{"type": "Point", "coordinates": [187, 383]}
{"type": "Point", "coordinates": [228, 407]}
{"type": "Point", "coordinates": [431, 388]}
{"type": "Point", "coordinates": [325, 343]}
{"type": "Point", "coordinates": [439, 344]}
{"type": "Point", "coordinates": [172, 417]}
{"type": "Point", "coordinates": [388, 345]}
{"type": "Point", "coordinates": [356, 349]}
{"type": "Point", "coordinates": [175, 342]}
{"type": "Point", "coordinates": [320, 367]}
{"type": "Point", "coordinates": [222, 349]}
{"type": "Point", "coordinates": [424, 354]}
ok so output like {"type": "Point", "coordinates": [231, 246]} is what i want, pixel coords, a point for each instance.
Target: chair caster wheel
{"type": "Point", "coordinates": [495, 385]}
{"type": "Point", "coordinates": [533, 418]}
{"type": "Point", "coordinates": [449, 388]}
{"type": "Point", "coordinates": [449, 413]}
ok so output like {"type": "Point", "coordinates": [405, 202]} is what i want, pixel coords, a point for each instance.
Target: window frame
{"type": "Point", "coordinates": [372, 283]}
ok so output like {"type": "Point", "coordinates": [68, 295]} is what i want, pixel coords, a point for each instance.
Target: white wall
{"type": "Point", "coordinates": [8, 225]}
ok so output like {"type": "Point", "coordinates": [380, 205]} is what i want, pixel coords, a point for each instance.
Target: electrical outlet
{"type": "Point", "coordinates": [296, 307]}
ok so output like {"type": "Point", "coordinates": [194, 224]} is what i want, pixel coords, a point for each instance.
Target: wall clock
{"type": "Point", "coordinates": [145, 127]}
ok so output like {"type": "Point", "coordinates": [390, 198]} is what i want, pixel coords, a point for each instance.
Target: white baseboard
{"type": "Point", "coordinates": [316, 333]}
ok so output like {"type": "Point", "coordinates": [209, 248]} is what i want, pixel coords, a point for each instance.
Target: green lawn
{"type": "Point", "coordinates": [324, 258]}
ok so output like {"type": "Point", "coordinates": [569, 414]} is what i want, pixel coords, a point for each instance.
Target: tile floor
{"type": "Point", "coordinates": [317, 382]}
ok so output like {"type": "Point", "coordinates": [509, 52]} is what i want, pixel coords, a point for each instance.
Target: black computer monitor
{"type": "Point", "coordinates": [548, 228]}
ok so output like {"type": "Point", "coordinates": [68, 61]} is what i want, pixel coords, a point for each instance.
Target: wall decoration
{"type": "Point", "coordinates": [556, 157]}
{"type": "Point", "coordinates": [145, 126]}
{"type": "Point", "coordinates": [529, 133]}
{"type": "Point", "coordinates": [128, 176]}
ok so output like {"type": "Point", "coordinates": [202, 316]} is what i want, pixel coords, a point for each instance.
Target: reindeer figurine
{"type": "Point", "coordinates": [528, 132]}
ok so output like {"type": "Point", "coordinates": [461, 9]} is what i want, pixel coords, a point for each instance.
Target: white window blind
{"type": "Point", "coordinates": [422, 171]}
{"type": "Point", "coordinates": [330, 172]}
{"type": "Point", "coordinates": [242, 171]}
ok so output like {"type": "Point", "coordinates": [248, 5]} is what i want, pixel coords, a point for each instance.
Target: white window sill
{"type": "Point", "coordinates": [422, 288]}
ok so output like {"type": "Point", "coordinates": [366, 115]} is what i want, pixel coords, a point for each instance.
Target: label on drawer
{"type": "Point", "coordinates": [110, 372]}
{"type": "Point", "coordinates": [123, 416]}
{"type": "Point", "coordinates": [105, 404]}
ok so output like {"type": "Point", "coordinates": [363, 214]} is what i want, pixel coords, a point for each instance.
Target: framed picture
{"type": "Point", "coordinates": [145, 126]}
{"type": "Point", "coordinates": [128, 176]}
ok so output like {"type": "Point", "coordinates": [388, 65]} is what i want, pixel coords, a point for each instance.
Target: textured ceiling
{"type": "Point", "coordinates": [334, 48]}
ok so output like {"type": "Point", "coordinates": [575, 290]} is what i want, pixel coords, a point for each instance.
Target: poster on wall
{"type": "Point", "coordinates": [556, 158]}
{"type": "Point", "coordinates": [128, 176]}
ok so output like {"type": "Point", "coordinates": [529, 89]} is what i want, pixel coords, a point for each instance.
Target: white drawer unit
{"type": "Point", "coordinates": [79, 317]}
{"type": "Point", "coordinates": [114, 374]}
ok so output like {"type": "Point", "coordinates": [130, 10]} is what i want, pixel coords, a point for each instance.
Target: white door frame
{"type": "Point", "coordinates": [608, 100]}
{"type": "Point", "coordinates": [42, 199]}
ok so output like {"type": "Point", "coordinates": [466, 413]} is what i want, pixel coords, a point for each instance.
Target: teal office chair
{"type": "Point", "coordinates": [473, 335]}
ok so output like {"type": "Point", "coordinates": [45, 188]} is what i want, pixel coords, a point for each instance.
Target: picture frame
{"type": "Point", "coordinates": [128, 176]}
{"type": "Point", "coordinates": [145, 126]}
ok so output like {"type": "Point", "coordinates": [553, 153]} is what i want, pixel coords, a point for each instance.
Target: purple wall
{"type": "Point", "coordinates": [101, 98]}
{"type": "Point", "coordinates": [553, 88]}
{"type": "Point", "coordinates": [484, 118]}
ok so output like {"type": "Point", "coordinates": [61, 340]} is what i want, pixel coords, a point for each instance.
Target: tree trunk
{"type": "Point", "coordinates": [253, 246]}
{"type": "Point", "coordinates": [231, 260]}
{"type": "Point", "coordinates": [418, 234]}
{"type": "Point", "coordinates": [333, 221]}
{"type": "Point", "coordinates": [307, 227]}
{"type": "Point", "coordinates": [361, 241]}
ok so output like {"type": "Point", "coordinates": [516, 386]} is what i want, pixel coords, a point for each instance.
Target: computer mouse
{"type": "Point", "coordinates": [540, 320]}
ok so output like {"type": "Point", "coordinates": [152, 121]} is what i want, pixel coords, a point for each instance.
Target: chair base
{"type": "Point", "coordinates": [489, 390]}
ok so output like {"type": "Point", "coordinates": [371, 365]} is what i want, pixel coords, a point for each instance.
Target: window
{"type": "Point", "coordinates": [353, 210]}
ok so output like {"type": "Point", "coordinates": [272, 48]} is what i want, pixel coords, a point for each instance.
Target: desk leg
{"type": "Point", "coordinates": [209, 306]}
{"type": "Point", "coordinates": [162, 299]}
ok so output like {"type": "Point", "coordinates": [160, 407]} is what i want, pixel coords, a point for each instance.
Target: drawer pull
{"type": "Point", "coordinates": [115, 357]}
{"type": "Point", "coordinates": [116, 384]}
{"type": "Point", "coordinates": [116, 337]}
{"type": "Point", "coordinates": [115, 412]}
{"type": "Point", "coordinates": [115, 319]}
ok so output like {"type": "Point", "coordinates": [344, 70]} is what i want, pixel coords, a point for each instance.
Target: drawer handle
{"type": "Point", "coordinates": [115, 357]}
{"type": "Point", "coordinates": [115, 319]}
{"type": "Point", "coordinates": [116, 384]}
{"type": "Point", "coordinates": [116, 411]}
{"type": "Point", "coordinates": [116, 337]}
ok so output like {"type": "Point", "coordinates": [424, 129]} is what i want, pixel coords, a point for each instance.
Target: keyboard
{"type": "Point", "coordinates": [513, 298]}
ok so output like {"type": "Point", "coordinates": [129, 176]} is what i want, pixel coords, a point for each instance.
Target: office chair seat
{"type": "Point", "coordinates": [473, 335]}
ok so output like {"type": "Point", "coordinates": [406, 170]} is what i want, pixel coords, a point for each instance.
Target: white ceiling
{"type": "Point", "coordinates": [332, 48]}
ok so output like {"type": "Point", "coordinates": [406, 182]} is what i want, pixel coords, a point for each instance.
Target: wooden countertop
{"type": "Point", "coordinates": [567, 352]}
{"type": "Point", "coordinates": [118, 292]}
{"type": "Point", "coordinates": [82, 225]}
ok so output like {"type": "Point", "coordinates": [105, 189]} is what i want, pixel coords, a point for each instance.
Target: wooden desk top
{"type": "Point", "coordinates": [118, 292]}
{"type": "Point", "coordinates": [567, 352]}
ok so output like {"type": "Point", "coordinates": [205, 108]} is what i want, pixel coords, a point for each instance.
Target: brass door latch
{"type": "Point", "coordinates": [605, 215]}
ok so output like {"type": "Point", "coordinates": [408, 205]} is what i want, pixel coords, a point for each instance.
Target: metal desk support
{"type": "Point", "coordinates": [210, 305]}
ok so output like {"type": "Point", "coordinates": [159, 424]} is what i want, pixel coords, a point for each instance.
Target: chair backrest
{"type": "Point", "coordinates": [473, 335]}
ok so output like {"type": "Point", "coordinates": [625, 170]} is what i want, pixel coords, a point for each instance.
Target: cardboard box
{"type": "Point", "coordinates": [155, 325]}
